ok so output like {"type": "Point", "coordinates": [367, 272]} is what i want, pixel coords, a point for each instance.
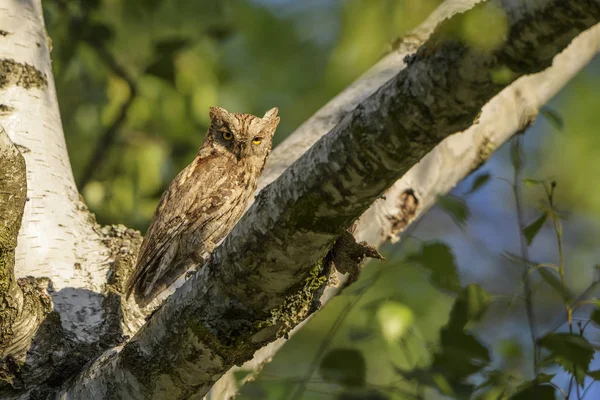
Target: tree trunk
{"type": "Point", "coordinates": [272, 270]}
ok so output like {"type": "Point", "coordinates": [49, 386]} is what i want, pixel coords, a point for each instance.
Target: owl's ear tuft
{"type": "Point", "coordinates": [271, 119]}
{"type": "Point", "coordinates": [217, 113]}
{"type": "Point", "coordinates": [272, 113]}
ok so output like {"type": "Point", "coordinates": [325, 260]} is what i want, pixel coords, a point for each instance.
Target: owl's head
{"type": "Point", "coordinates": [244, 136]}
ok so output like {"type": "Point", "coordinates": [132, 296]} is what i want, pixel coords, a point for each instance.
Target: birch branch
{"type": "Point", "coordinates": [510, 112]}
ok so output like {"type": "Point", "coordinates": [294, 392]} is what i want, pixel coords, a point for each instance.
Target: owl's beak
{"type": "Point", "coordinates": [241, 151]}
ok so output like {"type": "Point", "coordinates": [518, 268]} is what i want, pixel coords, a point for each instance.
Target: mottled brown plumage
{"type": "Point", "coordinates": [204, 201]}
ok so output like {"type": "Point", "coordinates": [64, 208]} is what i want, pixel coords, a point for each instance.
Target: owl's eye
{"type": "Point", "coordinates": [256, 140]}
{"type": "Point", "coordinates": [227, 135]}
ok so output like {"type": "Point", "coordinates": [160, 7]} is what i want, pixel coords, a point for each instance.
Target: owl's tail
{"type": "Point", "coordinates": [150, 285]}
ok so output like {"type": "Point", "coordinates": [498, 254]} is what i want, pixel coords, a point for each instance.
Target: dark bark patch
{"type": "Point", "coordinates": [56, 355]}
{"type": "Point", "coordinates": [23, 150]}
{"type": "Point", "coordinates": [4, 33]}
{"type": "Point", "coordinates": [124, 244]}
{"type": "Point", "coordinates": [409, 203]}
{"type": "Point", "coordinates": [5, 110]}
{"type": "Point", "coordinates": [18, 74]}
{"type": "Point", "coordinates": [13, 191]}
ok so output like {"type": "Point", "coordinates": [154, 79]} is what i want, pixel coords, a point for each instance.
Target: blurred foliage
{"type": "Point", "coordinates": [577, 141]}
{"type": "Point", "coordinates": [171, 60]}
{"type": "Point", "coordinates": [445, 316]}
{"type": "Point", "coordinates": [408, 329]}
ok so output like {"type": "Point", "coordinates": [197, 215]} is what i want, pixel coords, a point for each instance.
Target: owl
{"type": "Point", "coordinates": [204, 201]}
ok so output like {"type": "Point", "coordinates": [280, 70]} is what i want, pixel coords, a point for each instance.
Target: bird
{"type": "Point", "coordinates": [203, 202]}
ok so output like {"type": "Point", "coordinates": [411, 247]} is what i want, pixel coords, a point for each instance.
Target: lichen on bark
{"type": "Point", "coordinates": [299, 304]}
{"type": "Point", "coordinates": [13, 192]}
{"type": "Point", "coordinates": [19, 74]}
{"type": "Point", "coordinates": [23, 305]}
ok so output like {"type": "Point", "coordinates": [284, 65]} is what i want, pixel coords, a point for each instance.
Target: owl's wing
{"type": "Point", "coordinates": [178, 209]}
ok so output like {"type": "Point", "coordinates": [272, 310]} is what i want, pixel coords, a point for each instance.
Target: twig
{"type": "Point", "coordinates": [525, 253]}
{"type": "Point", "coordinates": [588, 388]}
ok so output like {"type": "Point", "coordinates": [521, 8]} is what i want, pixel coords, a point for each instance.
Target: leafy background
{"type": "Point", "coordinates": [445, 315]}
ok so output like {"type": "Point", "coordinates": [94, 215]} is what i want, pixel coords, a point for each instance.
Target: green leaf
{"type": "Point", "coordinates": [531, 230]}
{"type": "Point", "coordinates": [549, 276]}
{"type": "Point", "coordinates": [463, 345]}
{"type": "Point", "coordinates": [533, 182]}
{"type": "Point", "coordinates": [545, 378]}
{"type": "Point", "coordinates": [494, 378]}
{"type": "Point", "coordinates": [595, 317]}
{"type": "Point", "coordinates": [460, 354]}
{"type": "Point", "coordinates": [395, 319]}
{"type": "Point", "coordinates": [554, 118]}
{"type": "Point", "coordinates": [572, 352]}
{"type": "Point", "coordinates": [595, 375]}
{"type": "Point", "coordinates": [359, 334]}
{"type": "Point", "coordinates": [260, 390]}
{"type": "Point", "coordinates": [539, 392]}
{"type": "Point", "coordinates": [479, 182]}
{"type": "Point", "coordinates": [163, 68]}
{"type": "Point", "coordinates": [344, 366]}
{"type": "Point", "coordinates": [577, 372]}
{"type": "Point", "coordinates": [444, 376]}
{"type": "Point", "coordinates": [518, 259]}
{"type": "Point", "coordinates": [98, 33]}
{"type": "Point", "coordinates": [470, 305]}
{"type": "Point", "coordinates": [438, 258]}
{"type": "Point", "coordinates": [240, 375]}
{"type": "Point", "coordinates": [167, 48]}
{"type": "Point", "coordinates": [541, 379]}
{"type": "Point", "coordinates": [220, 32]}
{"type": "Point", "coordinates": [451, 389]}
{"type": "Point", "coordinates": [455, 207]}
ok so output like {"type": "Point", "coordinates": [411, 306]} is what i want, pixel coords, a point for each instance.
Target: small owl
{"type": "Point", "coordinates": [204, 201]}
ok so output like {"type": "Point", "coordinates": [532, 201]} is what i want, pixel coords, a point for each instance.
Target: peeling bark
{"type": "Point", "coordinates": [217, 318]}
